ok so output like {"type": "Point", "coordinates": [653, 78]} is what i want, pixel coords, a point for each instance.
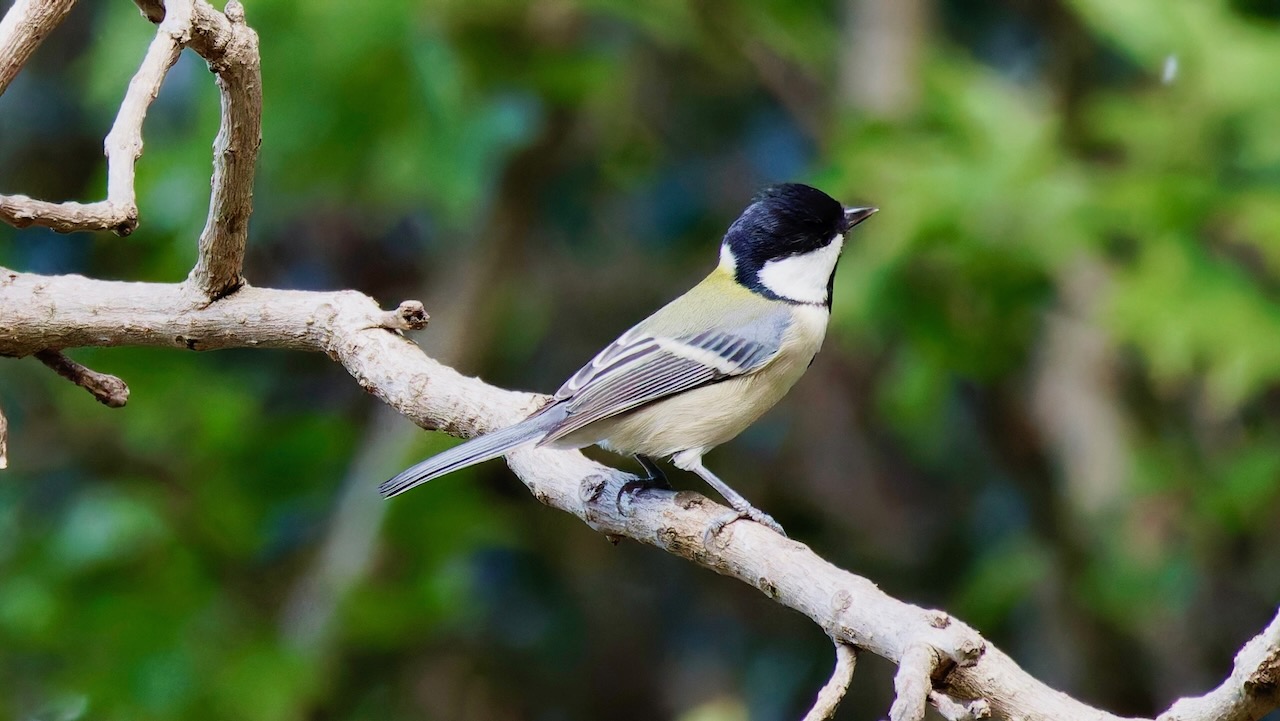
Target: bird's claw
{"type": "Point", "coordinates": [750, 513]}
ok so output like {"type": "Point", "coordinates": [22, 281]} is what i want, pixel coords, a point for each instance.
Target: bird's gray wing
{"type": "Point", "coordinates": [638, 369]}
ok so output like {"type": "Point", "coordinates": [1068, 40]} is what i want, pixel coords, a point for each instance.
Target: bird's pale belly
{"type": "Point", "coordinates": [710, 415]}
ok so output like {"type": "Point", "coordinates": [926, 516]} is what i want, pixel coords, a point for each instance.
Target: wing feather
{"type": "Point", "coordinates": [639, 369]}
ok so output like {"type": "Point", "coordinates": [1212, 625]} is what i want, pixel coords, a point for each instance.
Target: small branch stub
{"type": "Point", "coordinates": [411, 315]}
{"type": "Point", "coordinates": [108, 389]}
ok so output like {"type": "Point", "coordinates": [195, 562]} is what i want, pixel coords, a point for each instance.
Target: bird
{"type": "Point", "coordinates": [705, 366]}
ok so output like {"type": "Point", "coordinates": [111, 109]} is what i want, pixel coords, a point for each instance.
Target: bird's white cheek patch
{"type": "Point", "coordinates": [804, 277]}
{"type": "Point", "coordinates": [727, 261]}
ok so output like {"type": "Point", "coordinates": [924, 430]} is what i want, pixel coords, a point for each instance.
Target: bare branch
{"type": "Point", "coordinates": [231, 49]}
{"type": "Point", "coordinates": [22, 211]}
{"type": "Point", "coordinates": [123, 145]}
{"type": "Point", "coordinates": [4, 441]}
{"type": "Point", "coordinates": [69, 311]}
{"type": "Point", "coordinates": [22, 29]}
{"type": "Point", "coordinates": [1250, 692]}
{"type": "Point", "coordinates": [913, 682]}
{"type": "Point", "coordinates": [109, 390]}
{"type": "Point", "coordinates": [124, 141]}
{"type": "Point", "coordinates": [232, 53]}
{"type": "Point", "coordinates": [830, 695]}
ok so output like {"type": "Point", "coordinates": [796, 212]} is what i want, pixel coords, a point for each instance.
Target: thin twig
{"type": "Point", "coordinates": [231, 49]}
{"type": "Point", "coordinates": [830, 696]}
{"type": "Point", "coordinates": [123, 144]}
{"type": "Point", "coordinates": [23, 27]}
{"type": "Point", "coordinates": [22, 211]}
{"type": "Point", "coordinates": [108, 389]}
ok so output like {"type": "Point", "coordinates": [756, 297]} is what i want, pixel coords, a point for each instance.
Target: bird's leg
{"type": "Point", "coordinates": [655, 478]}
{"type": "Point", "coordinates": [741, 507]}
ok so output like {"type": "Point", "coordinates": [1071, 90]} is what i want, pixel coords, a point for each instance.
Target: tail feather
{"type": "Point", "coordinates": [473, 451]}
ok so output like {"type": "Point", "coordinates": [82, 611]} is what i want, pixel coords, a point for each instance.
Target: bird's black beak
{"type": "Point", "coordinates": [853, 216]}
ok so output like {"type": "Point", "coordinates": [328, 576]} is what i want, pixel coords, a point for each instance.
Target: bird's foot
{"type": "Point", "coordinates": [655, 479]}
{"type": "Point", "coordinates": [747, 512]}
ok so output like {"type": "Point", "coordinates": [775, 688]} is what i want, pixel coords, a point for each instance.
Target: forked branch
{"type": "Point", "coordinates": [231, 49]}
{"type": "Point", "coordinates": [123, 145]}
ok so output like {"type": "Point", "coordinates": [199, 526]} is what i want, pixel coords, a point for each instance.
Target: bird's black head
{"type": "Point", "coordinates": [785, 245]}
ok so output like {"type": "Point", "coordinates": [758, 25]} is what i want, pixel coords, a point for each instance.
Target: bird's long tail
{"type": "Point", "coordinates": [474, 451]}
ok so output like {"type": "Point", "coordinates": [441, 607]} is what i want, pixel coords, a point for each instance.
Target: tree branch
{"type": "Point", "coordinates": [123, 145]}
{"type": "Point", "coordinates": [68, 311]}
{"type": "Point", "coordinates": [231, 49]}
{"type": "Point", "coordinates": [913, 682]}
{"type": "Point", "coordinates": [232, 52]}
{"type": "Point", "coordinates": [22, 29]}
{"type": "Point", "coordinates": [124, 141]}
{"type": "Point", "coordinates": [109, 390]}
{"type": "Point", "coordinates": [830, 695]}
{"type": "Point", "coordinates": [1250, 692]}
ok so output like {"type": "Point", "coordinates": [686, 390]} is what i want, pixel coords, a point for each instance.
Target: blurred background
{"type": "Point", "coordinates": [1049, 402]}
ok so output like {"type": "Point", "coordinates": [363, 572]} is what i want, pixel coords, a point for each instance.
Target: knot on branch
{"type": "Point", "coordinates": [1265, 680]}
{"type": "Point", "coordinates": [591, 488]}
{"type": "Point", "coordinates": [410, 315]}
{"type": "Point", "coordinates": [128, 219]}
{"type": "Point", "coordinates": [955, 640]}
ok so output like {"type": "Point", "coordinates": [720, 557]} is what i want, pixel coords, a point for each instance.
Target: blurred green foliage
{"type": "Point", "coordinates": [1049, 402]}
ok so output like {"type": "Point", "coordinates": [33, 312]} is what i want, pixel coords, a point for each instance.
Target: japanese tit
{"type": "Point", "coordinates": [705, 366]}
